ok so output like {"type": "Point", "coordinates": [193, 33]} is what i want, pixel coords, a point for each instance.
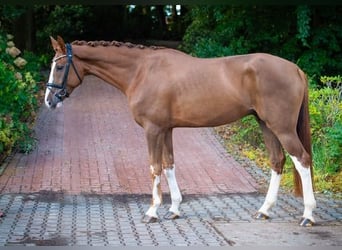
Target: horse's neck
{"type": "Point", "coordinates": [115, 65]}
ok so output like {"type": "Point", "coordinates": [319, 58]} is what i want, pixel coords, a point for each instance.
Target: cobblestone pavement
{"type": "Point", "coordinates": [48, 218]}
{"type": "Point", "coordinates": [87, 184]}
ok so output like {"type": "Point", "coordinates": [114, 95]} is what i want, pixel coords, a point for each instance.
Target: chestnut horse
{"type": "Point", "coordinates": [167, 88]}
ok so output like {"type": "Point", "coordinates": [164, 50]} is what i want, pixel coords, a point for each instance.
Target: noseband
{"type": "Point", "coordinates": [63, 91]}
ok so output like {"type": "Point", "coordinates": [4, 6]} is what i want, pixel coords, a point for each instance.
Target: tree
{"type": "Point", "coordinates": [19, 21]}
{"type": "Point", "coordinates": [307, 35]}
{"type": "Point", "coordinates": [32, 25]}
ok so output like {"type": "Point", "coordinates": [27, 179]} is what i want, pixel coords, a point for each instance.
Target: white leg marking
{"type": "Point", "coordinates": [152, 169]}
{"type": "Point", "coordinates": [309, 199]}
{"type": "Point", "coordinates": [176, 196]}
{"type": "Point", "coordinates": [272, 193]}
{"type": "Point", "coordinates": [156, 199]}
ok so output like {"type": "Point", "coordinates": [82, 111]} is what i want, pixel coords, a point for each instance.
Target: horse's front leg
{"type": "Point", "coordinates": [277, 160]}
{"type": "Point", "coordinates": [271, 197]}
{"type": "Point", "coordinates": [155, 140]}
{"type": "Point", "coordinates": [169, 171]}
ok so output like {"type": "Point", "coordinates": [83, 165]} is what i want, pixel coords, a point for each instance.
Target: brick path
{"type": "Point", "coordinates": [92, 145]}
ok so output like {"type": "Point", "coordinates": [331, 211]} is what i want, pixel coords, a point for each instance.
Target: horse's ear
{"type": "Point", "coordinates": [58, 45]}
{"type": "Point", "coordinates": [61, 44]}
{"type": "Point", "coordinates": [54, 44]}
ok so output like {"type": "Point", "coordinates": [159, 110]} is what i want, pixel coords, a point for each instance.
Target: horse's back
{"type": "Point", "coordinates": [182, 90]}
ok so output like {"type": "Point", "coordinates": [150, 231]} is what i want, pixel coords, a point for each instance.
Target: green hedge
{"type": "Point", "coordinates": [18, 95]}
{"type": "Point", "coordinates": [326, 125]}
{"type": "Point", "coordinates": [307, 35]}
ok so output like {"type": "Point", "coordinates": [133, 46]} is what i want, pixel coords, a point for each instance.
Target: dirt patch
{"type": "Point", "coordinates": [54, 241]}
{"type": "Point", "coordinates": [280, 234]}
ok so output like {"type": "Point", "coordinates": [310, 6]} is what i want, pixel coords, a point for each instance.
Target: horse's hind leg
{"type": "Point", "coordinates": [288, 135]}
{"type": "Point", "coordinates": [277, 160]}
{"type": "Point", "coordinates": [302, 161]}
{"type": "Point", "coordinates": [169, 171]}
{"type": "Point", "coordinates": [308, 195]}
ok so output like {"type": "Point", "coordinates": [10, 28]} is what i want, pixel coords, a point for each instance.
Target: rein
{"type": "Point", "coordinates": [63, 91]}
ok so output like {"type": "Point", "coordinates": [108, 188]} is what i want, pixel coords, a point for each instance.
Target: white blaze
{"type": "Point", "coordinates": [52, 70]}
{"type": "Point", "coordinates": [48, 90]}
{"type": "Point", "coordinates": [47, 93]}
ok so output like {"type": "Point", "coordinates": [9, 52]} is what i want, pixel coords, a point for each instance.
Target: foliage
{"type": "Point", "coordinates": [9, 13]}
{"type": "Point", "coordinates": [326, 126]}
{"type": "Point", "coordinates": [332, 81]}
{"type": "Point", "coordinates": [33, 24]}
{"type": "Point", "coordinates": [248, 130]}
{"type": "Point", "coordinates": [303, 24]}
{"type": "Point", "coordinates": [241, 29]}
{"type": "Point", "coordinates": [307, 35]}
{"type": "Point", "coordinates": [18, 94]}
{"type": "Point", "coordinates": [67, 20]}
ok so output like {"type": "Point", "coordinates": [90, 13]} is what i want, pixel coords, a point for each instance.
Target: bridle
{"type": "Point", "coordinates": [62, 87]}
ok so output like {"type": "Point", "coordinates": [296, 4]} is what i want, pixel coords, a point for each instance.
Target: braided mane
{"type": "Point", "coordinates": [114, 43]}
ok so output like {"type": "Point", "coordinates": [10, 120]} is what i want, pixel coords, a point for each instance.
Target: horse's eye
{"type": "Point", "coordinates": [59, 67]}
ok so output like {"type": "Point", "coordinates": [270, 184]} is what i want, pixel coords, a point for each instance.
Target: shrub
{"type": "Point", "coordinates": [18, 95]}
{"type": "Point", "coordinates": [326, 125]}
{"type": "Point", "coordinates": [307, 35]}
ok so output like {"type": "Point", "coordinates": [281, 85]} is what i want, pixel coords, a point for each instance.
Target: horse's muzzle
{"type": "Point", "coordinates": [52, 99]}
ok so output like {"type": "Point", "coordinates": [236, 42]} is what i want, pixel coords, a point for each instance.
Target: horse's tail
{"type": "Point", "coordinates": [304, 134]}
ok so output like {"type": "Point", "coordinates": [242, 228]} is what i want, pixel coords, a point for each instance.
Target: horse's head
{"type": "Point", "coordinates": [62, 80]}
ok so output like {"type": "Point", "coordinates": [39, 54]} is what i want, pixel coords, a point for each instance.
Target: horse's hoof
{"type": "Point", "coordinates": [305, 222]}
{"type": "Point", "coordinates": [149, 219]}
{"type": "Point", "coordinates": [261, 216]}
{"type": "Point", "coordinates": [171, 216]}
